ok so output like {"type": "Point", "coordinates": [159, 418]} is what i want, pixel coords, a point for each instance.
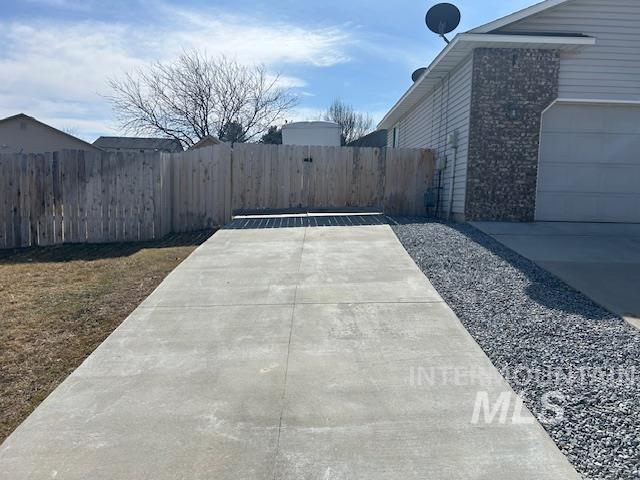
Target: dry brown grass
{"type": "Point", "coordinates": [59, 303]}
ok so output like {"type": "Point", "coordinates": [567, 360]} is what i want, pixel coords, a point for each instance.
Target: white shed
{"type": "Point", "coordinates": [323, 134]}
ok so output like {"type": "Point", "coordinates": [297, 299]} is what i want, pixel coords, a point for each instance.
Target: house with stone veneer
{"type": "Point", "coordinates": [535, 116]}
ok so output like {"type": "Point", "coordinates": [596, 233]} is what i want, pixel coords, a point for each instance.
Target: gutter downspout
{"type": "Point", "coordinates": [453, 142]}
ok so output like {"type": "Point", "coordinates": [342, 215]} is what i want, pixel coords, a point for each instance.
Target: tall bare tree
{"type": "Point", "coordinates": [197, 96]}
{"type": "Point", "coordinates": [354, 124]}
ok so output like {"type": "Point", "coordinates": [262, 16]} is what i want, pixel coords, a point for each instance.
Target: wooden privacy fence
{"type": "Point", "coordinates": [77, 197]}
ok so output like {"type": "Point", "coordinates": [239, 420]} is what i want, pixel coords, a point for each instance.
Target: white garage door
{"type": "Point", "coordinates": [589, 167]}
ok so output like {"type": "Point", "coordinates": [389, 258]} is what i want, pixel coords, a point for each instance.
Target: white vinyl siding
{"type": "Point", "coordinates": [610, 69]}
{"type": "Point", "coordinates": [428, 125]}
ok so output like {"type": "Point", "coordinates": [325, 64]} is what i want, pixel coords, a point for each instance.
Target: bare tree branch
{"type": "Point", "coordinates": [354, 125]}
{"type": "Point", "coordinates": [198, 96]}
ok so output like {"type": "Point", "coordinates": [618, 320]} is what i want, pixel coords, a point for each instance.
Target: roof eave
{"type": "Point", "coordinates": [463, 45]}
{"type": "Point", "coordinates": [384, 123]}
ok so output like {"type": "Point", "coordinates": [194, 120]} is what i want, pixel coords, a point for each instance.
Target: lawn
{"type": "Point", "coordinates": [59, 303]}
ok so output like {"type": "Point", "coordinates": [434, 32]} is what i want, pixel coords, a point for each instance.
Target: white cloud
{"type": "Point", "coordinates": [59, 70]}
{"type": "Point", "coordinates": [64, 61]}
{"type": "Point", "coordinates": [256, 42]}
{"type": "Point", "coordinates": [285, 81]}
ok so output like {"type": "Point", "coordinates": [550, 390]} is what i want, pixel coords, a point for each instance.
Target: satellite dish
{"type": "Point", "coordinates": [417, 74]}
{"type": "Point", "coordinates": [443, 18]}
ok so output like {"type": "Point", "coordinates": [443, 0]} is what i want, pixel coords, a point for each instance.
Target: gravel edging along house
{"type": "Point", "coordinates": [546, 338]}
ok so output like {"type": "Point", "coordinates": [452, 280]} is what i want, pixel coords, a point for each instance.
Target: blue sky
{"type": "Point", "coordinates": [57, 55]}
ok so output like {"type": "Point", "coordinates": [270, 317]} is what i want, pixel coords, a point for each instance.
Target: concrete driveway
{"type": "Point", "coordinates": [286, 353]}
{"type": "Point", "coordinates": [600, 260]}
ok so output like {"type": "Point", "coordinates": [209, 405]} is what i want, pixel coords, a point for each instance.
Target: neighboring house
{"type": "Point", "coordinates": [205, 142]}
{"type": "Point", "coordinates": [138, 144]}
{"type": "Point", "coordinates": [377, 139]}
{"type": "Point", "coordinates": [535, 116]}
{"type": "Point", "coordinates": [24, 134]}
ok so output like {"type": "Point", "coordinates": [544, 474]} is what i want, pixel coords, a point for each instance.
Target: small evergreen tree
{"type": "Point", "coordinates": [273, 136]}
{"type": "Point", "coordinates": [232, 132]}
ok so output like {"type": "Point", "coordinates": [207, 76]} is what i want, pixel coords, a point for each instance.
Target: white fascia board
{"type": "Point", "coordinates": [598, 101]}
{"type": "Point", "coordinates": [591, 101]}
{"type": "Point", "coordinates": [517, 16]}
{"type": "Point", "coordinates": [540, 41]}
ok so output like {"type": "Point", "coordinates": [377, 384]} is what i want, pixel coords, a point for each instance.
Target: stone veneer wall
{"type": "Point", "coordinates": [503, 153]}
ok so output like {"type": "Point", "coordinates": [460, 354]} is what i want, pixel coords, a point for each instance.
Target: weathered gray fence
{"type": "Point", "coordinates": [77, 197]}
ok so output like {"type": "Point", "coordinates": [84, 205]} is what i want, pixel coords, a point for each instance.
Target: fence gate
{"type": "Point", "coordinates": [297, 178]}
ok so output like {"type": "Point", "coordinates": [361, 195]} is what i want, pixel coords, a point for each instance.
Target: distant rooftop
{"type": "Point", "coordinates": [138, 143]}
{"type": "Point", "coordinates": [205, 141]}
{"type": "Point", "coordinates": [377, 139]}
{"type": "Point", "coordinates": [311, 123]}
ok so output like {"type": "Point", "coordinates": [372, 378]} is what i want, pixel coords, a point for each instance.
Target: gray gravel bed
{"type": "Point", "coordinates": [527, 320]}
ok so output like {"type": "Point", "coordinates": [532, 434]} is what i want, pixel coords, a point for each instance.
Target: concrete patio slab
{"type": "Point", "coordinates": [316, 353]}
{"type": "Point", "coordinates": [600, 260]}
